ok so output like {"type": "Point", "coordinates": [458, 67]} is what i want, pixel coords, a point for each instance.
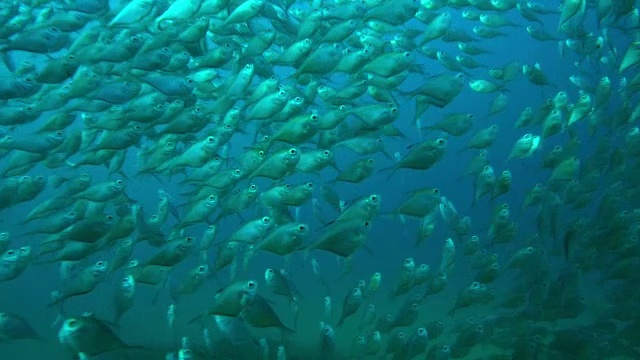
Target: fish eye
{"type": "Point", "coordinates": [252, 187]}
{"type": "Point", "coordinates": [505, 173]}
{"type": "Point", "coordinates": [441, 141]}
{"type": "Point", "coordinates": [217, 158]}
{"type": "Point", "coordinates": [11, 252]}
{"type": "Point", "coordinates": [251, 284]}
{"type": "Point", "coordinates": [307, 41]}
{"type": "Point", "coordinates": [326, 153]}
{"type": "Point", "coordinates": [210, 139]}
{"type": "Point", "coordinates": [165, 49]}
{"type": "Point", "coordinates": [367, 224]}
{"type": "Point", "coordinates": [201, 268]}
{"type": "Point", "coordinates": [109, 217]}
{"type": "Point", "coordinates": [212, 197]}
{"type": "Point", "coordinates": [414, 306]}
{"type": "Point", "coordinates": [310, 184]}
{"type": "Point", "coordinates": [188, 239]}
{"type": "Point", "coordinates": [270, 271]}
{"type": "Point", "coordinates": [266, 220]}
{"type": "Point", "coordinates": [407, 261]}
{"type": "Point", "coordinates": [261, 153]}
{"type": "Point", "coordinates": [370, 161]}
{"type": "Point", "coordinates": [189, 81]}
{"type": "Point", "coordinates": [400, 335]}
{"type": "Point", "coordinates": [287, 186]}
{"type": "Point", "coordinates": [293, 151]}
{"type": "Point", "coordinates": [394, 110]}
{"type": "Point", "coordinates": [72, 322]}
{"type": "Point", "coordinates": [119, 182]}
{"type": "Point", "coordinates": [100, 263]}
{"type": "Point", "coordinates": [125, 280]}
{"type": "Point", "coordinates": [237, 172]}
{"type": "Point", "coordinates": [373, 198]}
{"type": "Point", "coordinates": [302, 228]}
{"type": "Point", "coordinates": [28, 79]}
{"type": "Point", "coordinates": [355, 290]}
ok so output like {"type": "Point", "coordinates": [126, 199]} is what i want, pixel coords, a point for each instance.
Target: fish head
{"type": "Point", "coordinates": [9, 258]}
{"type": "Point", "coordinates": [269, 275]}
{"type": "Point", "coordinates": [100, 268]}
{"type": "Point", "coordinates": [24, 253]}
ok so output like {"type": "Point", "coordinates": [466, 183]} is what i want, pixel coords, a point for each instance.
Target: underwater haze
{"type": "Point", "coordinates": [280, 179]}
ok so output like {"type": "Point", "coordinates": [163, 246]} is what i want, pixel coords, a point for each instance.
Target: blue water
{"type": "Point", "coordinates": [389, 243]}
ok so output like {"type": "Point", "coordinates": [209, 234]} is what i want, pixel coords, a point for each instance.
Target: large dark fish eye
{"type": "Point", "coordinates": [441, 141]}
{"type": "Point", "coordinates": [366, 224]}
{"type": "Point", "coordinates": [373, 198]}
{"type": "Point", "coordinates": [210, 139]}
{"type": "Point", "coordinates": [189, 239]}
{"type": "Point", "coordinates": [119, 182]}
{"type": "Point", "coordinates": [109, 217]}
{"type": "Point", "coordinates": [407, 261]}
{"type": "Point", "coordinates": [201, 268]}
{"type": "Point", "coordinates": [270, 271]}
{"type": "Point", "coordinates": [237, 172]}
{"type": "Point", "coordinates": [251, 284]}
{"type": "Point", "coordinates": [293, 151]}
{"type": "Point", "coordinates": [310, 184]}
{"type": "Point", "coordinates": [212, 197]}
{"type": "Point", "coordinates": [326, 153]}
{"type": "Point", "coordinates": [100, 263]}
{"type": "Point", "coordinates": [252, 187]}
{"type": "Point", "coordinates": [287, 186]}
{"type": "Point", "coordinates": [266, 220]}
{"type": "Point", "coordinates": [72, 322]}
{"type": "Point", "coordinates": [260, 153]}
{"type": "Point", "coordinates": [302, 228]}
{"type": "Point", "coordinates": [125, 280]}
{"type": "Point", "coordinates": [11, 252]}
